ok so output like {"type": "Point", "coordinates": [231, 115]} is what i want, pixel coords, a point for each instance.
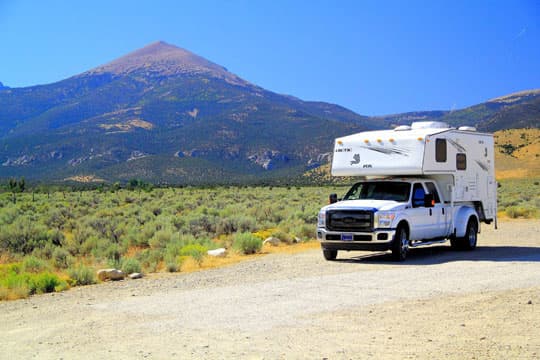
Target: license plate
{"type": "Point", "coordinates": [347, 237]}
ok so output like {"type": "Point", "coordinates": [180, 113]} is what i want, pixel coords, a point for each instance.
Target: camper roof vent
{"type": "Point", "coordinates": [429, 125]}
{"type": "Point", "coordinates": [467, 128]}
{"type": "Point", "coordinates": [402, 128]}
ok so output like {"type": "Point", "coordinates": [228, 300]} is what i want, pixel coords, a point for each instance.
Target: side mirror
{"type": "Point", "coordinates": [429, 201]}
{"type": "Point", "coordinates": [332, 198]}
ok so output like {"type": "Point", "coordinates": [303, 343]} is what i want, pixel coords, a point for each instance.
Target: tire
{"type": "Point", "coordinates": [455, 243]}
{"type": "Point", "coordinates": [400, 245]}
{"type": "Point", "coordinates": [468, 242]}
{"type": "Point", "coordinates": [329, 254]}
{"type": "Point", "coordinates": [471, 236]}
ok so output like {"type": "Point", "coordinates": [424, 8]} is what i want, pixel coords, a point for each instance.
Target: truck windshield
{"type": "Point", "coordinates": [380, 190]}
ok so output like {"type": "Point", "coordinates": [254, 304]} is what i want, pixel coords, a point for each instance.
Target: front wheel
{"type": "Point", "coordinates": [400, 245]}
{"type": "Point", "coordinates": [329, 254]}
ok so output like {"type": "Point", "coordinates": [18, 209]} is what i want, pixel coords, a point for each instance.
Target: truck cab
{"type": "Point", "coordinates": [371, 212]}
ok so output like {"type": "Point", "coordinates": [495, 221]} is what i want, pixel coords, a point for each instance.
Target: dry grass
{"type": "Point", "coordinates": [233, 257]}
{"type": "Point", "coordinates": [524, 162]}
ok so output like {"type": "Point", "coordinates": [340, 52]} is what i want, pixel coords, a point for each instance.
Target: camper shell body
{"type": "Point", "coordinates": [453, 169]}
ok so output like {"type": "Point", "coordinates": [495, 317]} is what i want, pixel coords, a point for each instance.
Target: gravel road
{"type": "Point", "coordinates": [438, 304]}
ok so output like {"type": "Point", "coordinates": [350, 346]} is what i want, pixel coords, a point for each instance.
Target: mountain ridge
{"type": "Point", "coordinates": [164, 114]}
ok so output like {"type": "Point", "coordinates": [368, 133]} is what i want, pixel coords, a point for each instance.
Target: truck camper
{"type": "Point", "coordinates": [418, 185]}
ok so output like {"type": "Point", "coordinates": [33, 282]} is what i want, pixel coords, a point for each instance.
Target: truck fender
{"type": "Point", "coordinates": [402, 218]}
{"type": "Point", "coordinates": [462, 216]}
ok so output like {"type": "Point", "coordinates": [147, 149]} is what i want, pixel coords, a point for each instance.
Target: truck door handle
{"type": "Point", "coordinates": [443, 211]}
{"type": "Point", "coordinates": [430, 212]}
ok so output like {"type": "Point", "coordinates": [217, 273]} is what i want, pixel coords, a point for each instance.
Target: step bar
{"type": "Point", "coordinates": [418, 243]}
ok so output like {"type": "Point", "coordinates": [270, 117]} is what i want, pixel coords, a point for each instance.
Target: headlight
{"type": "Point", "coordinates": [321, 219]}
{"type": "Point", "coordinates": [384, 220]}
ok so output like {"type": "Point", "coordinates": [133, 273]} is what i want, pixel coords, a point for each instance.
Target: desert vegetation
{"type": "Point", "coordinates": [519, 198]}
{"type": "Point", "coordinates": [53, 239]}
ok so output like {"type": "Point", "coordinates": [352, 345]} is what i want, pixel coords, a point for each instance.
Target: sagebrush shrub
{"type": "Point", "coordinates": [33, 264]}
{"type": "Point", "coordinates": [160, 239]}
{"type": "Point", "coordinates": [82, 275]}
{"type": "Point", "coordinates": [131, 265]}
{"type": "Point", "coordinates": [150, 259]}
{"type": "Point", "coordinates": [62, 259]}
{"type": "Point", "coordinates": [196, 251]}
{"type": "Point", "coordinates": [46, 282]}
{"type": "Point", "coordinates": [247, 243]}
{"type": "Point", "coordinates": [283, 236]}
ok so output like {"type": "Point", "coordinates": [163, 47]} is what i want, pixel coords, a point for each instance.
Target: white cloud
{"type": "Point", "coordinates": [522, 32]}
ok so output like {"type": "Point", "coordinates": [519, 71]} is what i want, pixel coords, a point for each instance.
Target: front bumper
{"type": "Point", "coordinates": [378, 240]}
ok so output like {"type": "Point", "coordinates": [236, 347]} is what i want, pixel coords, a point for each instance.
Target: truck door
{"type": "Point", "coordinates": [421, 221]}
{"type": "Point", "coordinates": [440, 213]}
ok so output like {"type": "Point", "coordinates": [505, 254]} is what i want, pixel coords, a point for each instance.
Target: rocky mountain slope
{"type": "Point", "coordinates": [164, 114]}
{"type": "Point", "coordinates": [517, 110]}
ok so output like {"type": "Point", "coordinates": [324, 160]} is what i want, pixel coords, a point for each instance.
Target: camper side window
{"type": "Point", "coordinates": [440, 150]}
{"type": "Point", "coordinates": [461, 161]}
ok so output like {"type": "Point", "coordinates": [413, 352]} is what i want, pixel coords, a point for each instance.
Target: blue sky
{"type": "Point", "coordinates": [374, 57]}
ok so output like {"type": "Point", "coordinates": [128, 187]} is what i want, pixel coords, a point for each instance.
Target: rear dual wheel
{"type": "Point", "coordinates": [468, 242]}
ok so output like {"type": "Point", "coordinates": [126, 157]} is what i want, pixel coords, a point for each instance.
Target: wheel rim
{"type": "Point", "coordinates": [404, 243]}
{"type": "Point", "coordinates": [472, 236]}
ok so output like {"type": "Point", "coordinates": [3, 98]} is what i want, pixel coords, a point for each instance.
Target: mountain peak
{"type": "Point", "coordinates": [166, 59]}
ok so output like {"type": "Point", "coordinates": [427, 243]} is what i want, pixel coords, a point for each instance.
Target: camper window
{"type": "Point", "coordinates": [433, 190]}
{"type": "Point", "coordinates": [418, 195]}
{"type": "Point", "coordinates": [461, 161]}
{"type": "Point", "coordinates": [440, 150]}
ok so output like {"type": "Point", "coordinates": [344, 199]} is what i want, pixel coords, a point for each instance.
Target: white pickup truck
{"type": "Point", "coordinates": [421, 184]}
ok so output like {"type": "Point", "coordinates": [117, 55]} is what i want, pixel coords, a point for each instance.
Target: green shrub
{"type": "Point", "coordinates": [13, 284]}
{"type": "Point", "coordinates": [82, 275]}
{"type": "Point", "coordinates": [131, 265]}
{"type": "Point", "coordinates": [515, 212]}
{"type": "Point", "coordinates": [20, 292]}
{"type": "Point", "coordinates": [160, 239]}
{"type": "Point", "coordinates": [46, 282]}
{"type": "Point", "coordinates": [113, 252]}
{"type": "Point", "coordinates": [173, 263]}
{"type": "Point", "coordinates": [236, 223]}
{"type": "Point", "coordinates": [304, 232]}
{"type": "Point", "coordinates": [150, 259]}
{"type": "Point", "coordinates": [23, 236]}
{"type": "Point", "coordinates": [61, 258]}
{"type": "Point", "coordinates": [247, 243]}
{"type": "Point", "coordinates": [15, 280]}
{"type": "Point", "coordinates": [283, 236]}
{"type": "Point", "coordinates": [202, 224]}
{"type": "Point", "coordinates": [196, 251]}
{"type": "Point", "coordinates": [21, 284]}
{"type": "Point", "coordinates": [33, 264]}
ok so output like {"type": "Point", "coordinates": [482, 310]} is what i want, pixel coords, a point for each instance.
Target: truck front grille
{"type": "Point", "coordinates": [349, 220]}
